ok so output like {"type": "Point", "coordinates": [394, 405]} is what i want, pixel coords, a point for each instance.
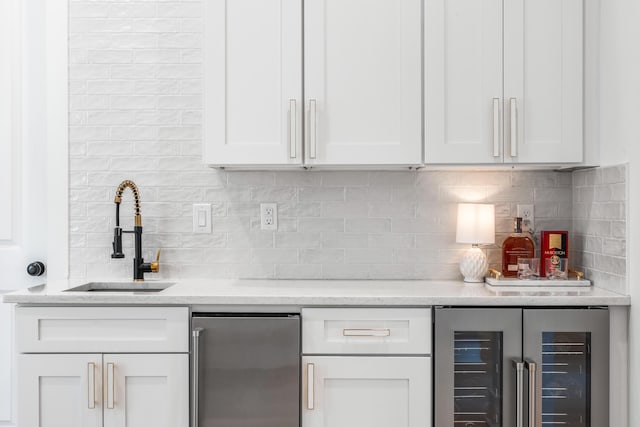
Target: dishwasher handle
{"type": "Point", "coordinates": [195, 386]}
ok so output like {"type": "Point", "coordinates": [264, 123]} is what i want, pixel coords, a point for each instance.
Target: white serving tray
{"type": "Point", "coordinates": [537, 283]}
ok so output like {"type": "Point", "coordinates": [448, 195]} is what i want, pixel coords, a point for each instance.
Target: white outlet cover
{"type": "Point", "coordinates": [528, 218]}
{"type": "Point", "coordinates": [268, 216]}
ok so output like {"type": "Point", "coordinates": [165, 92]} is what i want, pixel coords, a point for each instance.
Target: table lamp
{"type": "Point", "coordinates": [476, 226]}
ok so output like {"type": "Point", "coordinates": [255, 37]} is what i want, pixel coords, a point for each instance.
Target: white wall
{"type": "Point", "coordinates": [620, 141]}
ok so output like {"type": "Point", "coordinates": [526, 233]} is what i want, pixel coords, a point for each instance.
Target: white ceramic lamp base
{"type": "Point", "coordinates": [474, 265]}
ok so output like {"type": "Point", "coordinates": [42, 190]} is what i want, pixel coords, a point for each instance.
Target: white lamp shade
{"type": "Point", "coordinates": [476, 224]}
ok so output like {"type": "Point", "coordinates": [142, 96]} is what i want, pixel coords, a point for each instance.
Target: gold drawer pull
{"type": "Point", "coordinates": [366, 332]}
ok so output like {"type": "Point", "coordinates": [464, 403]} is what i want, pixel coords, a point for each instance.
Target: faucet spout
{"type": "Point", "coordinates": [136, 199]}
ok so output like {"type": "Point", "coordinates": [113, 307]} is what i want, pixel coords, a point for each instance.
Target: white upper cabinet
{"type": "Point", "coordinates": [463, 81]}
{"type": "Point", "coordinates": [503, 81]}
{"type": "Point", "coordinates": [253, 82]}
{"type": "Point", "coordinates": [543, 80]}
{"type": "Point", "coordinates": [363, 82]}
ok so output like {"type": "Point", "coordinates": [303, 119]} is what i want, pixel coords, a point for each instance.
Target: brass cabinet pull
{"type": "Point", "coordinates": [111, 388]}
{"type": "Point", "coordinates": [366, 332]}
{"type": "Point", "coordinates": [91, 385]}
{"type": "Point", "coordinates": [310, 385]}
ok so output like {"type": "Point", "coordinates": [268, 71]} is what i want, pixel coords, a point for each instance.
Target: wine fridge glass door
{"type": "Point", "coordinates": [571, 351]}
{"type": "Point", "coordinates": [475, 381]}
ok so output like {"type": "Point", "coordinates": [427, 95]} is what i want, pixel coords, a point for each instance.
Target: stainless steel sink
{"type": "Point", "coordinates": [133, 287]}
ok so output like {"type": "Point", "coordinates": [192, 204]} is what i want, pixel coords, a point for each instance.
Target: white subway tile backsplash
{"type": "Point", "coordinates": [136, 113]}
{"type": "Point", "coordinates": [299, 271]}
{"type": "Point", "coordinates": [599, 212]}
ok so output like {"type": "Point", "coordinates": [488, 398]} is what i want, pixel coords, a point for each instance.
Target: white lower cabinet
{"type": "Point", "coordinates": [133, 390]}
{"type": "Point", "coordinates": [146, 390]}
{"type": "Point", "coordinates": [366, 391]}
{"type": "Point", "coordinates": [366, 367]}
{"type": "Point", "coordinates": [61, 384]}
{"type": "Point", "coordinates": [55, 390]}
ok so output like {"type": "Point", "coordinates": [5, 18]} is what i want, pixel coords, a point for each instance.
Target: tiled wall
{"type": "Point", "coordinates": [135, 85]}
{"type": "Point", "coordinates": [600, 225]}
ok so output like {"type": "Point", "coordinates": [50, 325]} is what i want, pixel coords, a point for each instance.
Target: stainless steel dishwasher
{"type": "Point", "coordinates": [245, 370]}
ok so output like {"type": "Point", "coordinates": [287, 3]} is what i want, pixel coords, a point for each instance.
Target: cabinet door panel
{"type": "Point", "coordinates": [55, 390]}
{"type": "Point", "coordinates": [362, 70]}
{"type": "Point", "coordinates": [571, 351]}
{"type": "Point", "coordinates": [544, 74]}
{"type": "Point", "coordinates": [367, 391]}
{"type": "Point", "coordinates": [253, 88]}
{"type": "Point", "coordinates": [463, 75]}
{"type": "Point", "coordinates": [146, 390]}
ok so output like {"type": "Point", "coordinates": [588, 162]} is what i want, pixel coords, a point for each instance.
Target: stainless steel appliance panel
{"type": "Point", "coordinates": [246, 371]}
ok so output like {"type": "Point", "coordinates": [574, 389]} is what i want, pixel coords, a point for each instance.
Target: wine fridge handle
{"type": "Point", "coordinates": [194, 380]}
{"type": "Point", "coordinates": [532, 368]}
{"type": "Point", "coordinates": [518, 365]}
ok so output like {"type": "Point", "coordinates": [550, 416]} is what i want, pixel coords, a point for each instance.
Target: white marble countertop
{"type": "Point", "coordinates": [297, 293]}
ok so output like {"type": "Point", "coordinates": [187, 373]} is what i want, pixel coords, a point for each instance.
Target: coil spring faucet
{"type": "Point", "coordinates": [139, 266]}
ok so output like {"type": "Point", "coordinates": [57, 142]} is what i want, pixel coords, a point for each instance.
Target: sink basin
{"type": "Point", "coordinates": [134, 287]}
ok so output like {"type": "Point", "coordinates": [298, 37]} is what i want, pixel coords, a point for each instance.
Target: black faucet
{"type": "Point", "coordinates": [139, 266]}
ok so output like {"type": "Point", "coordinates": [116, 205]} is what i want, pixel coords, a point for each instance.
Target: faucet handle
{"type": "Point", "coordinates": [155, 265]}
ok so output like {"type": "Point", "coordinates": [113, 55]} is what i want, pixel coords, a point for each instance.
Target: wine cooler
{"type": "Point", "coordinates": [513, 367]}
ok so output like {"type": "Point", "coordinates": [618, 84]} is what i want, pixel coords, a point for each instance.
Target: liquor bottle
{"type": "Point", "coordinates": [517, 245]}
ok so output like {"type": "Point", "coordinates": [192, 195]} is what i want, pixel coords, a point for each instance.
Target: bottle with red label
{"type": "Point", "coordinates": [555, 246]}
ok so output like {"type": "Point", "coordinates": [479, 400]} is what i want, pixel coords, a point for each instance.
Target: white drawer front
{"type": "Point", "coordinates": [366, 331]}
{"type": "Point", "coordinates": [102, 329]}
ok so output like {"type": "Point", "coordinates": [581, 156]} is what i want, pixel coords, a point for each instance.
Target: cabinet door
{"type": "Point", "coordinates": [253, 82]}
{"type": "Point", "coordinates": [463, 81]}
{"type": "Point", "coordinates": [543, 80]}
{"type": "Point", "coordinates": [363, 82]}
{"type": "Point", "coordinates": [142, 390]}
{"type": "Point", "coordinates": [570, 349]}
{"type": "Point", "coordinates": [6, 362]}
{"type": "Point", "coordinates": [474, 376]}
{"type": "Point", "coordinates": [59, 390]}
{"type": "Point", "coordinates": [366, 391]}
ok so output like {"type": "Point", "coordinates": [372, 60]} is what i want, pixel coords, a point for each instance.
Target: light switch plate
{"type": "Point", "coordinates": [202, 218]}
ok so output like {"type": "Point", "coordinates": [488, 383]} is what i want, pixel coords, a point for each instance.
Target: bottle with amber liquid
{"type": "Point", "coordinates": [517, 245]}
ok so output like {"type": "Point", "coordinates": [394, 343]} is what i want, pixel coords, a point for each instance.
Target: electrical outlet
{"type": "Point", "coordinates": [269, 216]}
{"type": "Point", "coordinates": [526, 213]}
